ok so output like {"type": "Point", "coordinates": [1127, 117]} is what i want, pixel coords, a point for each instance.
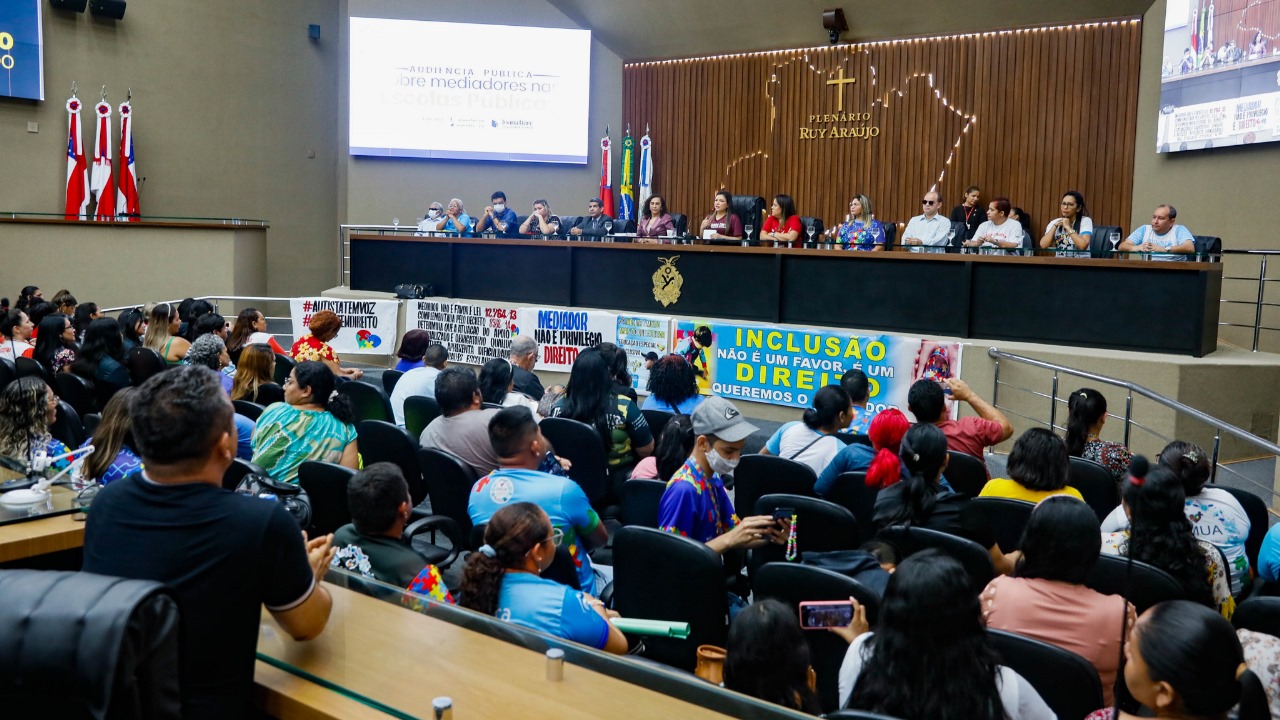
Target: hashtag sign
{"type": "Point", "coordinates": [306, 306]}
{"type": "Point", "coordinates": [306, 320]}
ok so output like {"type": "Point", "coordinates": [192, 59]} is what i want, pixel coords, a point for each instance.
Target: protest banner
{"type": "Point", "coordinates": [368, 326]}
{"type": "Point", "coordinates": [562, 334]}
{"type": "Point", "coordinates": [640, 334]}
{"type": "Point", "coordinates": [474, 333]}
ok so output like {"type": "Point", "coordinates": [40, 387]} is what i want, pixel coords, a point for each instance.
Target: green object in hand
{"type": "Point", "coordinates": [661, 628]}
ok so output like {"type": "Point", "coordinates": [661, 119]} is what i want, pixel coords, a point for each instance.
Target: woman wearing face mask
{"type": "Point", "coordinates": [695, 504]}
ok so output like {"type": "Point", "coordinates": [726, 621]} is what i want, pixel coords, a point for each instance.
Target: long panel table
{"type": "Point", "coordinates": [1168, 307]}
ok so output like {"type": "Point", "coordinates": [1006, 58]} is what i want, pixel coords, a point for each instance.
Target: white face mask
{"type": "Point", "coordinates": [499, 207]}
{"type": "Point", "coordinates": [719, 465]}
{"type": "Point", "coordinates": [433, 213]}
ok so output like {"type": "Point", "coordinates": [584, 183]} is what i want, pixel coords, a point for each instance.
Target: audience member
{"type": "Point", "coordinates": [616, 358]}
{"type": "Point", "coordinates": [314, 345]}
{"type": "Point", "coordinates": [879, 460]}
{"type": "Point", "coordinates": [1046, 599]}
{"type": "Point", "coordinates": [209, 351]}
{"type": "Point", "coordinates": [501, 579]}
{"type": "Point", "coordinates": [498, 219]}
{"type": "Point", "coordinates": [65, 302]}
{"type": "Point", "coordinates": [17, 331]}
{"type": "Point", "coordinates": [592, 224]}
{"type": "Point", "coordinates": [101, 356]}
{"type": "Point", "coordinates": [224, 554]}
{"type": "Point", "coordinates": [412, 347]}
{"type": "Point", "coordinates": [162, 334]}
{"type": "Point", "coordinates": [255, 376]}
{"type": "Point", "coordinates": [85, 313]}
{"type": "Point", "coordinates": [855, 382]}
{"type": "Point", "coordinates": [930, 656]}
{"type": "Point", "coordinates": [523, 356]}
{"type": "Point", "coordinates": [1160, 534]}
{"type": "Point", "coordinates": [1072, 230]}
{"type": "Point", "coordinates": [860, 229]}
{"type": "Point", "coordinates": [370, 544]}
{"type": "Point", "coordinates": [496, 386]}
{"type": "Point", "coordinates": [695, 504]}
{"type": "Point", "coordinates": [928, 229]}
{"type": "Point", "coordinates": [115, 454]}
{"type": "Point", "coordinates": [133, 325]}
{"type": "Point", "coordinates": [674, 446]}
{"type": "Point", "coordinates": [767, 657]}
{"type": "Point", "coordinates": [455, 220]}
{"type": "Point", "coordinates": [419, 382]}
{"type": "Point", "coordinates": [1086, 414]}
{"type": "Point", "coordinates": [463, 428]}
{"type": "Point", "coordinates": [250, 328]}
{"type": "Point", "coordinates": [55, 348]}
{"type": "Point", "coordinates": [27, 408]}
{"type": "Point", "coordinates": [1164, 238]}
{"type": "Point", "coordinates": [39, 312]}
{"type": "Point", "coordinates": [721, 223]}
{"type": "Point", "coordinates": [28, 296]}
{"type": "Point", "coordinates": [783, 224]}
{"type": "Point", "coordinates": [540, 221]}
{"type": "Point", "coordinates": [211, 323]}
{"type": "Point", "coordinates": [970, 435]}
{"type": "Point", "coordinates": [998, 231]}
{"type": "Point", "coordinates": [1023, 218]}
{"type": "Point", "coordinates": [650, 358]}
{"type": "Point", "coordinates": [313, 423]}
{"type": "Point", "coordinates": [673, 386]}
{"type": "Point", "coordinates": [967, 212]}
{"type": "Point", "coordinates": [590, 398]}
{"type": "Point", "coordinates": [195, 310]}
{"type": "Point", "coordinates": [1038, 468]}
{"type": "Point", "coordinates": [812, 441]}
{"type": "Point", "coordinates": [655, 221]}
{"type": "Point", "coordinates": [521, 449]}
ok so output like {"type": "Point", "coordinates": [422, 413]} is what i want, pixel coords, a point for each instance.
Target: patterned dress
{"type": "Point", "coordinates": [1117, 543]}
{"type": "Point", "coordinates": [1112, 456]}
{"type": "Point", "coordinates": [285, 437]}
{"type": "Point", "coordinates": [857, 235]}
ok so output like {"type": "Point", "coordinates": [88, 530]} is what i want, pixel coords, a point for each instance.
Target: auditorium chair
{"type": "Point", "coordinates": [1007, 519]}
{"type": "Point", "coordinates": [1259, 614]}
{"type": "Point", "coordinates": [67, 426]}
{"type": "Point", "coordinates": [1067, 682]}
{"type": "Point", "coordinates": [8, 372]}
{"type": "Point", "coordinates": [1145, 585]}
{"type": "Point", "coordinates": [248, 409]}
{"type": "Point", "coordinates": [760, 475]}
{"type": "Point", "coordinates": [850, 491]}
{"type": "Point", "coordinates": [382, 441]}
{"type": "Point", "coordinates": [567, 222]}
{"type": "Point", "coordinates": [818, 228]}
{"type": "Point", "coordinates": [91, 422]}
{"type": "Point", "coordinates": [1099, 245]}
{"type": "Point", "coordinates": [284, 366]}
{"type": "Point", "coordinates": [750, 211]}
{"type": "Point", "coordinates": [389, 380]}
{"type": "Point", "coordinates": [890, 235]}
{"type": "Point", "coordinates": [848, 714]}
{"type": "Point", "coordinates": [582, 446]}
{"type": "Point", "coordinates": [975, 558]}
{"type": "Point", "coordinates": [1208, 248]}
{"type": "Point", "coordinates": [1096, 484]}
{"type": "Point", "coordinates": [236, 471]}
{"type": "Point", "coordinates": [966, 473]}
{"type": "Point", "coordinates": [627, 226]}
{"type": "Point", "coordinates": [957, 240]}
{"type": "Point", "coordinates": [143, 362]}
{"type": "Point", "coordinates": [519, 223]}
{"type": "Point", "coordinates": [822, 526]}
{"type": "Point", "coordinates": [640, 502]}
{"type": "Point", "coordinates": [1255, 508]}
{"type": "Point", "coordinates": [419, 411]}
{"type": "Point", "coordinates": [77, 391]}
{"type": "Point", "coordinates": [29, 367]}
{"type": "Point", "coordinates": [794, 583]}
{"type": "Point", "coordinates": [657, 420]}
{"type": "Point", "coordinates": [326, 486]}
{"type": "Point", "coordinates": [367, 400]}
{"type": "Point", "coordinates": [680, 222]}
{"type": "Point", "coordinates": [449, 482]}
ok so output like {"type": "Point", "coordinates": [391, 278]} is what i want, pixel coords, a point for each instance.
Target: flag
{"type": "Point", "coordinates": [1195, 35]}
{"type": "Point", "coordinates": [606, 176]}
{"type": "Point", "coordinates": [646, 169]}
{"type": "Point", "coordinates": [628, 209]}
{"type": "Point", "coordinates": [102, 182]}
{"type": "Point", "coordinates": [77, 172]}
{"type": "Point", "coordinates": [1204, 31]}
{"type": "Point", "coordinates": [127, 192]}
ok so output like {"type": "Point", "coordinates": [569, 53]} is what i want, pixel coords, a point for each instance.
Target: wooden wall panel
{"type": "Point", "coordinates": [1025, 113]}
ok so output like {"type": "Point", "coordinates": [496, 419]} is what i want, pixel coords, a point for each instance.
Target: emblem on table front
{"type": "Point", "coordinates": [667, 281]}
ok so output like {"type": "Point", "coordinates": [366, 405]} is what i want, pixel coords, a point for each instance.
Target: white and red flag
{"type": "Point", "coordinates": [606, 175]}
{"type": "Point", "coordinates": [127, 192]}
{"type": "Point", "coordinates": [77, 171]}
{"type": "Point", "coordinates": [102, 182]}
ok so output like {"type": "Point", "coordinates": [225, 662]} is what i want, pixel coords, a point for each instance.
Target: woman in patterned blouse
{"type": "Point", "coordinates": [314, 345]}
{"type": "Point", "coordinates": [1086, 414]}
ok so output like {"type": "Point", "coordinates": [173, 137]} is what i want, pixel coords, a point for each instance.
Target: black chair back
{"type": "Point", "coordinates": [680, 222]}
{"type": "Point", "coordinates": [419, 411]}
{"type": "Point", "coordinates": [850, 491]}
{"type": "Point", "coordinates": [103, 391]}
{"type": "Point", "coordinates": [1208, 248]}
{"type": "Point", "coordinates": [662, 576]}
{"type": "Point", "coordinates": [449, 482]}
{"type": "Point", "coordinates": [269, 394]}
{"type": "Point", "coordinates": [966, 473]}
{"type": "Point", "coordinates": [567, 223]}
{"type": "Point", "coordinates": [793, 583]}
{"type": "Point", "coordinates": [583, 446]}
{"type": "Point", "coordinates": [1254, 704]}
{"type": "Point", "coordinates": [890, 235]}
{"type": "Point", "coordinates": [1259, 614]}
{"type": "Point", "coordinates": [823, 526]}
{"type": "Point", "coordinates": [368, 401]}
{"type": "Point", "coordinates": [248, 409]}
{"type": "Point", "coordinates": [1096, 484]}
{"type": "Point", "coordinates": [1147, 585]}
{"type": "Point", "coordinates": [750, 211]}
{"type": "Point", "coordinates": [1067, 683]}
{"type": "Point", "coordinates": [326, 486]}
{"type": "Point", "coordinates": [382, 441]}
{"type": "Point", "coordinates": [1099, 245]}
{"type": "Point", "coordinates": [236, 472]}
{"type": "Point", "coordinates": [1007, 519]}
{"type": "Point", "coordinates": [958, 229]}
{"type": "Point", "coordinates": [389, 380]}
{"type": "Point", "coordinates": [27, 367]}
{"type": "Point", "coordinates": [1259, 520]}
{"type": "Point", "coordinates": [142, 363]}
{"type": "Point", "coordinates": [856, 715]}
{"type": "Point", "coordinates": [8, 372]}
{"type": "Point", "coordinates": [975, 558]}
{"type": "Point", "coordinates": [657, 420]}
{"type": "Point", "coordinates": [91, 422]}
{"type": "Point", "coordinates": [760, 475]}
{"type": "Point", "coordinates": [284, 366]}
{"type": "Point", "coordinates": [640, 501]}
{"type": "Point", "coordinates": [818, 228]}
{"type": "Point", "coordinates": [77, 391]}
{"type": "Point", "coordinates": [67, 426]}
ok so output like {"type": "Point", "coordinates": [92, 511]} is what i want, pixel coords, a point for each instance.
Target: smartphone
{"type": "Point", "coordinates": [783, 515]}
{"type": "Point", "coordinates": [823, 615]}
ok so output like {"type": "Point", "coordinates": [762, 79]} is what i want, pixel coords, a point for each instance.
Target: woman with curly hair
{"type": "Point", "coordinates": [324, 326]}
{"type": "Point", "coordinates": [250, 327]}
{"type": "Point", "coordinates": [209, 351]}
{"type": "Point", "coordinates": [502, 579]}
{"type": "Point", "coordinates": [1160, 534]}
{"type": "Point", "coordinates": [673, 386]}
{"type": "Point", "coordinates": [27, 408]}
{"type": "Point", "coordinates": [930, 656]}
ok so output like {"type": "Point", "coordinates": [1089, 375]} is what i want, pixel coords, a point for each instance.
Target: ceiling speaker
{"type": "Point", "coordinates": [113, 9]}
{"type": "Point", "coordinates": [72, 5]}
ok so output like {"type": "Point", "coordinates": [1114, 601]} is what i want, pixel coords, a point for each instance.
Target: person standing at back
{"type": "Point", "coordinates": [969, 212]}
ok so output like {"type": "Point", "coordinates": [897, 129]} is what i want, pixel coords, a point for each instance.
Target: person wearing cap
{"type": "Point", "coordinates": [695, 504]}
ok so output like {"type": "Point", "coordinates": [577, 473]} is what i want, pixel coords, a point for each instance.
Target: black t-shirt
{"type": "Point", "coordinates": [527, 383]}
{"type": "Point", "coordinates": [951, 514]}
{"type": "Point", "coordinates": [971, 217]}
{"type": "Point", "coordinates": [225, 554]}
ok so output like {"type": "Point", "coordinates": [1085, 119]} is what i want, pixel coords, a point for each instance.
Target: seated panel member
{"type": "Point", "coordinates": [1164, 238]}
{"type": "Point", "coordinates": [540, 221]}
{"type": "Point", "coordinates": [928, 229]}
{"type": "Point", "coordinates": [455, 220]}
{"type": "Point", "coordinates": [998, 231]}
{"type": "Point", "coordinates": [656, 221]}
{"type": "Point", "coordinates": [498, 217]}
{"type": "Point", "coordinates": [783, 224]}
{"type": "Point", "coordinates": [721, 224]}
{"type": "Point", "coordinates": [435, 212]}
{"type": "Point", "coordinates": [593, 224]}
{"type": "Point", "coordinates": [860, 229]}
{"type": "Point", "coordinates": [1073, 230]}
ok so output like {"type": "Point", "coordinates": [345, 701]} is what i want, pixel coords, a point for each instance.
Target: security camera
{"type": "Point", "coordinates": [834, 23]}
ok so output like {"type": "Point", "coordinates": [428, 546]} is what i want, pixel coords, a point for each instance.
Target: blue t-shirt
{"type": "Point", "coordinates": [854, 457]}
{"type": "Point", "coordinates": [862, 418]}
{"type": "Point", "coordinates": [1269, 556]}
{"type": "Point", "coordinates": [684, 408]}
{"type": "Point", "coordinates": [1177, 235]}
{"type": "Point", "coordinates": [244, 436]}
{"type": "Point", "coordinates": [546, 605]}
{"type": "Point", "coordinates": [560, 498]}
{"type": "Point", "coordinates": [407, 365]}
{"type": "Point", "coordinates": [695, 506]}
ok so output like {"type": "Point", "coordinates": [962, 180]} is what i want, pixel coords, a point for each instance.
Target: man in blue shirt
{"type": "Point", "coordinates": [855, 382]}
{"type": "Point", "coordinates": [499, 218]}
{"type": "Point", "coordinates": [520, 448]}
{"type": "Point", "coordinates": [1163, 238]}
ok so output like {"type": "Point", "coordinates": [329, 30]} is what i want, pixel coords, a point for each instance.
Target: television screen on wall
{"type": "Point", "coordinates": [21, 50]}
{"type": "Point", "coordinates": [1220, 75]}
{"type": "Point", "coordinates": [469, 92]}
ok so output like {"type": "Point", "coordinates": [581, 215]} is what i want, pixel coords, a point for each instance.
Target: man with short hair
{"type": "Point", "coordinates": [224, 554]}
{"type": "Point", "coordinates": [998, 231]}
{"type": "Point", "coordinates": [370, 544]}
{"type": "Point", "coordinates": [593, 224]}
{"type": "Point", "coordinates": [1163, 238]}
{"type": "Point", "coordinates": [419, 381]}
{"type": "Point", "coordinates": [540, 221]}
{"type": "Point", "coordinates": [435, 211]}
{"type": "Point", "coordinates": [855, 382]}
{"type": "Point", "coordinates": [463, 429]}
{"type": "Point", "coordinates": [499, 218]}
{"type": "Point", "coordinates": [928, 229]}
{"type": "Point", "coordinates": [523, 356]}
{"type": "Point", "coordinates": [970, 435]}
{"type": "Point", "coordinates": [520, 448]}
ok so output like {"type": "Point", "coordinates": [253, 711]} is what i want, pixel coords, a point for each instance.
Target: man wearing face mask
{"type": "Point", "coordinates": [428, 225]}
{"type": "Point", "coordinates": [499, 218]}
{"type": "Point", "coordinates": [695, 503]}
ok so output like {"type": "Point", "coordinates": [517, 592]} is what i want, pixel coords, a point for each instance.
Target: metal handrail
{"type": "Point", "coordinates": [1220, 426]}
{"type": "Point", "coordinates": [215, 299]}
